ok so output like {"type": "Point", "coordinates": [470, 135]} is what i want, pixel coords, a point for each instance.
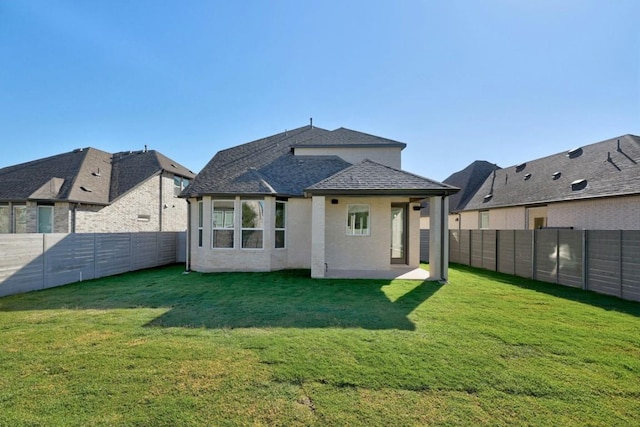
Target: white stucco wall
{"type": "Point", "coordinates": [619, 213]}
{"type": "Point", "coordinates": [390, 156]}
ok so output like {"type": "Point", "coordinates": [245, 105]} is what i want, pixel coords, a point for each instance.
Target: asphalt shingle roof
{"type": "Point", "coordinates": [269, 166]}
{"type": "Point", "coordinates": [368, 177]}
{"type": "Point", "coordinates": [84, 175]}
{"type": "Point", "coordinates": [605, 171]}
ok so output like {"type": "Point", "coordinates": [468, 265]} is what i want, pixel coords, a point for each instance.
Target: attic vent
{"type": "Point", "coordinates": [487, 198]}
{"type": "Point", "coordinates": [527, 176]}
{"type": "Point", "coordinates": [87, 189]}
{"type": "Point", "coordinates": [576, 152]}
{"type": "Point", "coordinates": [556, 175]}
{"type": "Point", "coordinates": [520, 167]}
{"type": "Point", "coordinates": [579, 184]}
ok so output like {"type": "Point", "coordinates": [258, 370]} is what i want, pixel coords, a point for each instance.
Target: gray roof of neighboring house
{"type": "Point", "coordinates": [84, 175]}
{"type": "Point", "coordinates": [268, 165]}
{"type": "Point", "coordinates": [603, 169]}
{"type": "Point", "coordinates": [371, 178]}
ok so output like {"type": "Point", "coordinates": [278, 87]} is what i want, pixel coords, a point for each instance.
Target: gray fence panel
{"type": "Point", "coordinates": [454, 246]}
{"type": "Point", "coordinates": [424, 246]}
{"type": "Point", "coordinates": [524, 253]}
{"type": "Point", "coordinates": [144, 251]}
{"type": "Point", "coordinates": [21, 263]}
{"type": "Point", "coordinates": [631, 265]}
{"type": "Point", "coordinates": [112, 254]}
{"type": "Point", "coordinates": [507, 251]}
{"type": "Point", "coordinates": [465, 247]}
{"type": "Point", "coordinates": [604, 275]}
{"type": "Point", "coordinates": [489, 249]}
{"type": "Point", "coordinates": [167, 248]}
{"type": "Point", "coordinates": [546, 264]}
{"type": "Point", "coordinates": [68, 258]}
{"type": "Point", "coordinates": [181, 255]}
{"type": "Point", "coordinates": [476, 248]}
{"type": "Point", "coordinates": [570, 258]}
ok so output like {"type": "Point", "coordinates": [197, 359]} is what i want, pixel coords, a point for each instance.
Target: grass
{"type": "Point", "coordinates": [159, 347]}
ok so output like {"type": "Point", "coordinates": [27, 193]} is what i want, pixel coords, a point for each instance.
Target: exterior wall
{"type": "Point", "coordinates": [299, 233]}
{"type": "Point", "coordinates": [499, 219]}
{"type": "Point", "coordinates": [123, 215]}
{"type": "Point", "coordinates": [620, 213]}
{"type": "Point", "coordinates": [390, 156]}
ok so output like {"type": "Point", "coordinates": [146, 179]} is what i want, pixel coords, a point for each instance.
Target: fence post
{"type": "Point", "coordinates": [557, 257]}
{"type": "Point", "coordinates": [44, 261]}
{"type": "Point", "coordinates": [534, 261]}
{"type": "Point", "coordinates": [585, 260]}
{"type": "Point", "coordinates": [620, 263]}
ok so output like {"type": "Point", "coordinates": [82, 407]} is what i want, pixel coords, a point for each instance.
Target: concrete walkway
{"type": "Point", "coordinates": [395, 272]}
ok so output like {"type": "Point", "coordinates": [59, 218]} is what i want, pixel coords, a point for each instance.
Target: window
{"type": "Point", "coordinates": [252, 224]}
{"type": "Point", "coordinates": [358, 220]}
{"type": "Point", "coordinates": [5, 219]}
{"type": "Point", "coordinates": [179, 184]}
{"type": "Point", "coordinates": [45, 219]}
{"type": "Point", "coordinates": [200, 222]}
{"type": "Point", "coordinates": [484, 220]}
{"type": "Point", "coordinates": [223, 221]}
{"type": "Point", "coordinates": [281, 220]}
{"type": "Point", "coordinates": [20, 219]}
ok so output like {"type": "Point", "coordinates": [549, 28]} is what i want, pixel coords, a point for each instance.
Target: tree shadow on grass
{"type": "Point", "coordinates": [284, 299]}
{"type": "Point", "coordinates": [605, 302]}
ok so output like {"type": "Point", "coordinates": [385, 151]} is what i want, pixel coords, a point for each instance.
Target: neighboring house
{"type": "Point", "coordinates": [595, 187]}
{"type": "Point", "coordinates": [91, 191]}
{"type": "Point", "coordinates": [336, 202]}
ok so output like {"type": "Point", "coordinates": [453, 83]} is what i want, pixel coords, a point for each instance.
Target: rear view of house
{"type": "Point", "coordinates": [91, 191]}
{"type": "Point", "coordinates": [336, 202]}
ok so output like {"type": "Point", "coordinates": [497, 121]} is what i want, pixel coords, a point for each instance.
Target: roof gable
{"type": "Point", "coordinates": [369, 178]}
{"type": "Point", "coordinates": [608, 168]}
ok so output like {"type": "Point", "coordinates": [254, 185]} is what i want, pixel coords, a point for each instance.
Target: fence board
{"type": "Point", "coordinates": [546, 260]}
{"type": "Point", "coordinates": [424, 246]}
{"type": "Point", "coordinates": [113, 253]}
{"type": "Point", "coordinates": [465, 247]}
{"type": "Point", "coordinates": [454, 246]}
{"type": "Point", "coordinates": [21, 263]}
{"type": "Point", "coordinates": [476, 248]}
{"type": "Point", "coordinates": [489, 249]}
{"type": "Point", "coordinates": [69, 258]}
{"type": "Point", "coordinates": [570, 258]}
{"type": "Point", "coordinates": [604, 262]}
{"type": "Point", "coordinates": [631, 265]}
{"type": "Point", "coordinates": [506, 251]}
{"type": "Point", "coordinates": [524, 253]}
{"type": "Point", "coordinates": [144, 251]}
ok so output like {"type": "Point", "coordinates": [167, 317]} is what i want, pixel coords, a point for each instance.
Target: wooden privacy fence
{"type": "Point", "coordinates": [37, 261]}
{"type": "Point", "coordinates": [603, 261]}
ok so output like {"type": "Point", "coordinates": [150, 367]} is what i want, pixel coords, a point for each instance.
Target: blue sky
{"type": "Point", "coordinates": [498, 80]}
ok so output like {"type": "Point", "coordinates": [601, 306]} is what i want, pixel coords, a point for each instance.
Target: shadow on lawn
{"type": "Point", "coordinates": [241, 300]}
{"type": "Point", "coordinates": [606, 302]}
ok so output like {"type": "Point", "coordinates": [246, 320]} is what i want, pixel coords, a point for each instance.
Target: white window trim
{"type": "Point", "coordinates": [232, 228]}
{"type": "Point", "coordinates": [201, 223]}
{"type": "Point", "coordinates": [482, 213]}
{"type": "Point", "coordinates": [351, 231]}
{"type": "Point", "coordinates": [284, 229]}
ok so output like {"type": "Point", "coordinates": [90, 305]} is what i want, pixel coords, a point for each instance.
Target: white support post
{"type": "Point", "coordinates": [438, 238]}
{"type": "Point", "coordinates": [318, 266]}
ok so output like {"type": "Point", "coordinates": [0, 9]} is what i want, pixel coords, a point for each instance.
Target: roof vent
{"type": "Point", "coordinates": [579, 184]}
{"type": "Point", "coordinates": [78, 150]}
{"type": "Point", "coordinates": [576, 152]}
{"type": "Point", "coordinates": [96, 173]}
{"type": "Point", "coordinates": [556, 175]}
{"type": "Point", "coordinates": [520, 167]}
{"type": "Point", "coordinates": [174, 166]}
{"type": "Point", "coordinates": [527, 176]}
{"type": "Point", "coordinates": [487, 198]}
{"type": "Point", "coordinates": [618, 149]}
{"type": "Point", "coordinates": [87, 189]}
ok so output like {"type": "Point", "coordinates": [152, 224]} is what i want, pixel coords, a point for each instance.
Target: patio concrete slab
{"type": "Point", "coordinates": [395, 272]}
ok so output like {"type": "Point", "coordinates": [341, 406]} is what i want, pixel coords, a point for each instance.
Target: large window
{"type": "Point", "coordinates": [179, 184]}
{"type": "Point", "coordinates": [45, 219]}
{"type": "Point", "coordinates": [252, 224]}
{"type": "Point", "coordinates": [358, 220]}
{"type": "Point", "coordinates": [223, 223]}
{"type": "Point", "coordinates": [200, 222]}
{"type": "Point", "coordinates": [5, 219]}
{"type": "Point", "coordinates": [19, 219]}
{"type": "Point", "coordinates": [280, 226]}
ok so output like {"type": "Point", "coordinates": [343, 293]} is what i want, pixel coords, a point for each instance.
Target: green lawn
{"type": "Point", "coordinates": [160, 347]}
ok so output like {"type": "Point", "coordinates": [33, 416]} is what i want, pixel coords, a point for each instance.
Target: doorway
{"type": "Point", "coordinates": [398, 233]}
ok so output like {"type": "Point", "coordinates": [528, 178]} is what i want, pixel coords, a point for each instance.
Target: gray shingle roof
{"type": "Point", "coordinates": [85, 175]}
{"type": "Point", "coordinates": [371, 178]}
{"type": "Point", "coordinates": [268, 166]}
{"type": "Point", "coordinates": [606, 171]}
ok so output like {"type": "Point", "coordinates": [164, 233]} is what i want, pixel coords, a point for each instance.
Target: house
{"type": "Point", "coordinates": [336, 202]}
{"type": "Point", "coordinates": [596, 186]}
{"type": "Point", "coordinates": [92, 191]}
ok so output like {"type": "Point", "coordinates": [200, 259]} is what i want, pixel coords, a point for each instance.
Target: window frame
{"type": "Point", "coordinates": [201, 223]}
{"type": "Point", "coordinates": [231, 228]}
{"type": "Point", "coordinates": [52, 223]}
{"type": "Point", "coordinates": [251, 229]}
{"type": "Point", "coordinates": [14, 220]}
{"type": "Point", "coordinates": [481, 216]}
{"type": "Point", "coordinates": [350, 229]}
{"type": "Point", "coordinates": [282, 229]}
{"type": "Point", "coordinates": [7, 218]}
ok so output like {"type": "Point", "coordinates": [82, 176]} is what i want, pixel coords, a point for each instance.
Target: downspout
{"type": "Point", "coordinates": [188, 239]}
